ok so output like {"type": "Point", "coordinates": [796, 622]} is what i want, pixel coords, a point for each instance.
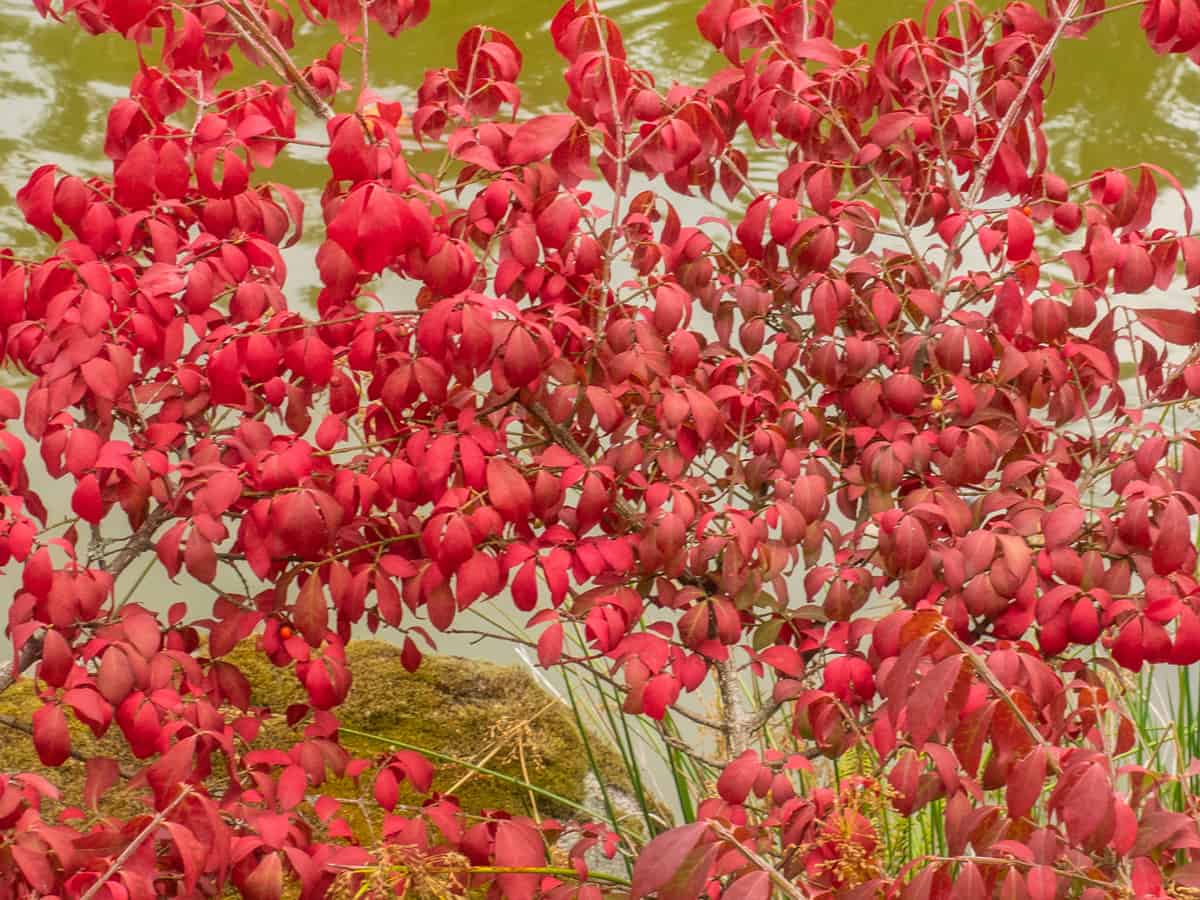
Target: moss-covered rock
{"type": "Point", "coordinates": [492, 716]}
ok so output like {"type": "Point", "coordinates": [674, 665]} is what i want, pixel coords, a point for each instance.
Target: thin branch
{"type": "Point", "coordinates": [780, 881]}
{"type": "Point", "coordinates": [31, 651]}
{"type": "Point", "coordinates": [141, 541]}
{"type": "Point", "coordinates": [365, 25]}
{"type": "Point", "coordinates": [26, 728]}
{"type": "Point", "coordinates": [1014, 110]}
{"type": "Point", "coordinates": [254, 32]}
{"type": "Point", "coordinates": [150, 828]}
{"type": "Point", "coordinates": [987, 675]}
{"type": "Point", "coordinates": [1129, 4]}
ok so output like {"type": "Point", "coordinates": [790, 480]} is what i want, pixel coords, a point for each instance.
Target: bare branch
{"type": "Point", "coordinates": [79, 756]}
{"type": "Point", "coordinates": [253, 31]}
{"type": "Point", "coordinates": [786, 888]}
{"type": "Point", "coordinates": [150, 828]}
{"type": "Point", "coordinates": [139, 542]}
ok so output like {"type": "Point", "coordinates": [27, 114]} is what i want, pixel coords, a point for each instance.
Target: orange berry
{"type": "Point", "coordinates": [1028, 210]}
{"type": "Point", "coordinates": [286, 632]}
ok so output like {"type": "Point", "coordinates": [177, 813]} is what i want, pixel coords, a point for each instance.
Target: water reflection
{"type": "Point", "coordinates": [1114, 103]}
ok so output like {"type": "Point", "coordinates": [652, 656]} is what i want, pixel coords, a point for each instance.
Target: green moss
{"type": "Point", "coordinates": [471, 710]}
{"type": "Point", "coordinates": [17, 754]}
{"type": "Point", "coordinates": [496, 717]}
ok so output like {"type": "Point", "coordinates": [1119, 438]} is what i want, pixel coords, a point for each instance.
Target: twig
{"type": "Point", "coordinates": [1014, 110]}
{"type": "Point", "coordinates": [512, 731]}
{"type": "Point", "coordinates": [954, 247]}
{"type": "Point", "coordinates": [565, 439]}
{"type": "Point", "coordinates": [31, 651]}
{"type": "Point", "coordinates": [134, 844]}
{"type": "Point", "coordinates": [1129, 4]}
{"type": "Point", "coordinates": [252, 30]}
{"type": "Point", "coordinates": [138, 543]}
{"type": "Point", "coordinates": [365, 24]}
{"type": "Point", "coordinates": [786, 887]}
{"type": "Point", "coordinates": [26, 728]}
{"type": "Point", "coordinates": [997, 688]}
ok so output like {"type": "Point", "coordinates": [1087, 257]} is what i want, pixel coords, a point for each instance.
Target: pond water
{"type": "Point", "coordinates": [1114, 103]}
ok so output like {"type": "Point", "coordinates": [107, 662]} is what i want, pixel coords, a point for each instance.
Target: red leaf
{"type": "Point", "coordinates": [292, 785]}
{"type": "Point", "coordinates": [220, 492]}
{"type": "Point", "coordinates": [889, 127]}
{"type": "Point", "coordinates": [536, 139]}
{"type": "Point", "coordinates": [1020, 236]}
{"type": "Point", "coordinates": [784, 658]}
{"type": "Point", "coordinates": [115, 679]}
{"type": "Point", "coordinates": [1175, 326]}
{"type": "Point", "coordinates": [661, 858]}
{"type": "Point", "coordinates": [1025, 783]}
{"type": "Point", "coordinates": [410, 655]}
{"type": "Point", "coordinates": [519, 845]}
{"type": "Point", "coordinates": [557, 222]}
{"type": "Point", "coordinates": [57, 659]}
{"type": "Point", "coordinates": [199, 557]}
{"type": "Point", "coordinates": [387, 789]}
{"type": "Point", "coordinates": [102, 773]}
{"type": "Point", "coordinates": [705, 414]}
{"type": "Point", "coordinates": [90, 708]}
{"type": "Point", "coordinates": [266, 881]}
{"type": "Point", "coordinates": [508, 491]}
{"type": "Point", "coordinates": [35, 865]}
{"type": "Point", "coordinates": [86, 502]}
{"type": "Point", "coordinates": [550, 644]}
{"type": "Point", "coordinates": [969, 885]}
{"type": "Point", "coordinates": [1062, 525]}
{"type": "Point", "coordinates": [1136, 272]}
{"type": "Point", "coordinates": [1088, 803]}
{"type": "Point", "coordinates": [311, 615]}
{"type": "Point", "coordinates": [1185, 649]}
{"type": "Point", "coordinates": [738, 777]}
{"type": "Point", "coordinates": [101, 378]}
{"type": "Point", "coordinates": [36, 200]}
{"type": "Point", "coordinates": [522, 362]}
{"type": "Point", "coordinates": [1190, 248]}
{"type": "Point", "coordinates": [927, 704]}
{"type": "Point", "coordinates": [661, 693]}
{"type": "Point", "coordinates": [755, 886]}
{"type": "Point", "coordinates": [50, 735]}
{"type": "Point", "coordinates": [192, 853]}
{"type": "Point", "coordinates": [417, 769]}
{"type": "Point", "coordinates": [1173, 545]}
{"type": "Point", "coordinates": [133, 188]}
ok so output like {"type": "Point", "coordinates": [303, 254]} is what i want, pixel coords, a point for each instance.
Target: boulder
{"type": "Point", "coordinates": [495, 717]}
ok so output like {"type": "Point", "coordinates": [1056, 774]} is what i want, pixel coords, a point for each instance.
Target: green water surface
{"type": "Point", "coordinates": [1114, 101]}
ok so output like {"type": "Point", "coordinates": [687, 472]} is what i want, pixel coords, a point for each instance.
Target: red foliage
{"type": "Point", "coordinates": [869, 434]}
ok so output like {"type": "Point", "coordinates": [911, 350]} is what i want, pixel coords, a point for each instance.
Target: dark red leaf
{"type": "Point", "coordinates": [661, 859]}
